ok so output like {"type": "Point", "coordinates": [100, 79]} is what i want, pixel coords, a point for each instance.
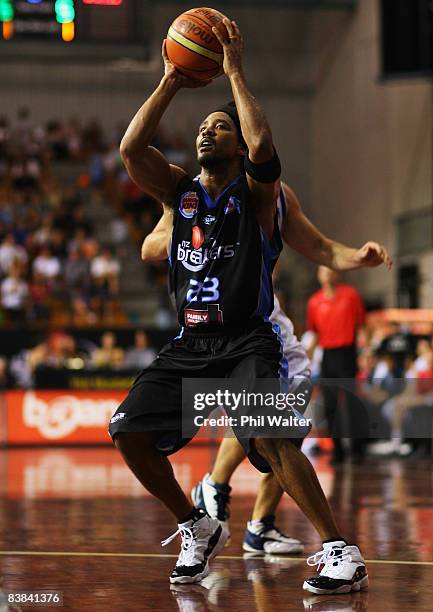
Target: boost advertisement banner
{"type": "Point", "coordinates": [57, 417]}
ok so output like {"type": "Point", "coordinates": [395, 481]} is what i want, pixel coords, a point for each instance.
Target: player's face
{"type": "Point", "coordinates": [217, 140]}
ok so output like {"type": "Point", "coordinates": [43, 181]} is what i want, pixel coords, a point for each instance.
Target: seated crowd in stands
{"type": "Point", "coordinates": [397, 381]}
{"type": "Point", "coordinates": [53, 267]}
{"type": "Point", "coordinates": [62, 351]}
{"type": "Point", "coordinates": [395, 390]}
{"type": "Point", "coordinates": [51, 261]}
{"type": "Point", "coordinates": [394, 384]}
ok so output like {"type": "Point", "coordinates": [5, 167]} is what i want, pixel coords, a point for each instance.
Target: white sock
{"type": "Point", "coordinates": [255, 526]}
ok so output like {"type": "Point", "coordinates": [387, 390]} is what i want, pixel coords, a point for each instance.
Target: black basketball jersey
{"type": "Point", "coordinates": [221, 261]}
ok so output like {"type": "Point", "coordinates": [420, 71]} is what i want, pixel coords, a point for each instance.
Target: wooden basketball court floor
{"type": "Point", "coordinates": [76, 521]}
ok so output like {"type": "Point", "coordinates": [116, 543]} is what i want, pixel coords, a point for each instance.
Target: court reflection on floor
{"type": "Point", "coordinates": [73, 518]}
{"type": "Point", "coordinates": [381, 504]}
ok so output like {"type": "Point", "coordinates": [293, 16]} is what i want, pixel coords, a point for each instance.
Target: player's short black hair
{"type": "Point", "coordinates": [231, 110]}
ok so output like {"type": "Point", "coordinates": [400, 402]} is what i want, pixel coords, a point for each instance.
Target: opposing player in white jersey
{"type": "Point", "coordinates": [342, 567]}
{"type": "Point", "coordinates": [212, 493]}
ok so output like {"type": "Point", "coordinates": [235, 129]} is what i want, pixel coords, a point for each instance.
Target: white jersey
{"type": "Point", "coordinates": [298, 363]}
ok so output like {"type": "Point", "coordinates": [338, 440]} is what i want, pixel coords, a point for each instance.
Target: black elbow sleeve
{"type": "Point", "coordinates": [268, 172]}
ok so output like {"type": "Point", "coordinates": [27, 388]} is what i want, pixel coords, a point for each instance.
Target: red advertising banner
{"type": "Point", "coordinates": [57, 417]}
{"type": "Point", "coordinates": [3, 419]}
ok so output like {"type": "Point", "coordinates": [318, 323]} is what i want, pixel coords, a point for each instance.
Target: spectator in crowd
{"type": "Point", "coordinates": [141, 355]}
{"type": "Point", "coordinates": [61, 355]}
{"type": "Point", "coordinates": [335, 313]}
{"type": "Point", "coordinates": [25, 172]}
{"type": "Point", "coordinates": [14, 294]}
{"type": "Point", "coordinates": [47, 265]}
{"type": "Point", "coordinates": [107, 268]}
{"type": "Point", "coordinates": [416, 392]}
{"type": "Point", "coordinates": [36, 212]}
{"type": "Point", "coordinates": [422, 362]}
{"type": "Point", "coordinates": [109, 355]}
{"type": "Point", "coordinates": [73, 138]}
{"type": "Point", "coordinates": [396, 345]}
{"type": "Point", "coordinates": [119, 231]}
{"type": "Point", "coordinates": [78, 240]}
{"type": "Point", "coordinates": [10, 251]}
{"type": "Point", "coordinates": [23, 365]}
{"type": "Point", "coordinates": [58, 351]}
{"type": "Point", "coordinates": [58, 244]}
{"type": "Point", "coordinates": [367, 361]}
{"type": "Point", "coordinates": [111, 160]}
{"type": "Point", "coordinates": [61, 348]}
{"type": "Point", "coordinates": [76, 272]}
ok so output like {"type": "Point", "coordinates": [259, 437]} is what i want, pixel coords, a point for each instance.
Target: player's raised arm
{"type": "Point", "coordinates": [147, 166]}
{"type": "Point", "coordinates": [156, 245]}
{"type": "Point", "coordinates": [262, 165]}
{"type": "Point", "coordinates": [299, 233]}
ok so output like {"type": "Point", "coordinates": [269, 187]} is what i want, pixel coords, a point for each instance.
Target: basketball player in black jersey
{"type": "Point", "coordinates": [224, 244]}
{"type": "Point", "coordinates": [213, 495]}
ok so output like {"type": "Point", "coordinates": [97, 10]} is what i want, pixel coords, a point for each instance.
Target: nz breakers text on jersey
{"type": "Point", "coordinates": [218, 245]}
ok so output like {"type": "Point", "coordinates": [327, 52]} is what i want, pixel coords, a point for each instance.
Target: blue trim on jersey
{"type": "Point", "coordinates": [266, 297]}
{"type": "Point", "coordinates": [284, 364]}
{"type": "Point", "coordinates": [178, 337]}
{"type": "Point", "coordinates": [208, 200]}
{"type": "Point", "coordinates": [169, 253]}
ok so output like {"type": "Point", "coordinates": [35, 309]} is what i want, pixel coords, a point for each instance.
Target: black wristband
{"type": "Point", "coordinates": [268, 172]}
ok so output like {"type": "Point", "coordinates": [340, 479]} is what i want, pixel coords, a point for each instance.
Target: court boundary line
{"type": "Point", "coordinates": [37, 553]}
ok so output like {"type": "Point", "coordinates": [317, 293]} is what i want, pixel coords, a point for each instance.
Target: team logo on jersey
{"type": "Point", "coordinates": [234, 204]}
{"type": "Point", "coordinates": [188, 204]}
{"type": "Point", "coordinates": [209, 219]}
{"type": "Point", "coordinates": [196, 259]}
{"type": "Point", "coordinates": [197, 237]}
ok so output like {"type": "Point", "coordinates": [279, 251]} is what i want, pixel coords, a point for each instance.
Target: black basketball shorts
{"type": "Point", "coordinates": [154, 402]}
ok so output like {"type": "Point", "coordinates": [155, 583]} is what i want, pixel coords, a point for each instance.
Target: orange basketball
{"type": "Point", "coordinates": [192, 46]}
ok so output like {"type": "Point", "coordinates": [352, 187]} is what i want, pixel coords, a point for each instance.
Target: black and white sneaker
{"type": "Point", "coordinates": [341, 569]}
{"type": "Point", "coordinates": [215, 499]}
{"type": "Point", "coordinates": [202, 539]}
{"type": "Point", "coordinates": [263, 536]}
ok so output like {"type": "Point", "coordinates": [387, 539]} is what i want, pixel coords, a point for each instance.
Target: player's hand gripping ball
{"type": "Point", "coordinates": [193, 48]}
